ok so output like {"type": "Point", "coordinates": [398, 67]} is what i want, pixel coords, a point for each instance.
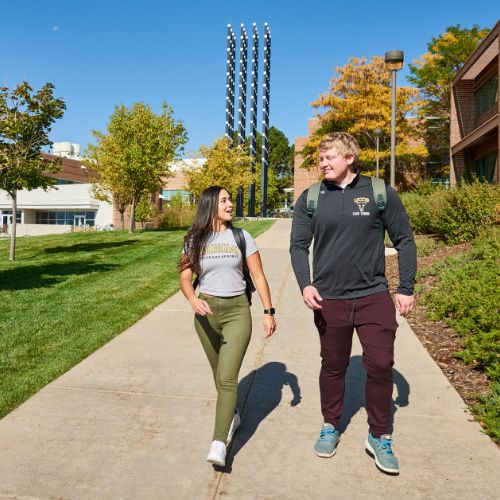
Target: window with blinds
{"type": "Point", "coordinates": [486, 96]}
{"type": "Point", "coordinates": [485, 167]}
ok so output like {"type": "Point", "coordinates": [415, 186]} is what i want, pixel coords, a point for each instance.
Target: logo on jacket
{"type": "Point", "coordinates": [361, 202]}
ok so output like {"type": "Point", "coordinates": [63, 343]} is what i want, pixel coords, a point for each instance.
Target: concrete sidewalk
{"type": "Point", "coordinates": [134, 420]}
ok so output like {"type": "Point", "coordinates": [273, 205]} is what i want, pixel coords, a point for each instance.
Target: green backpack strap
{"type": "Point", "coordinates": [312, 198]}
{"type": "Point", "coordinates": [380, 194]}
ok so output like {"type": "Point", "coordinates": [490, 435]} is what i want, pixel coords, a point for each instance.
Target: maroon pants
{"type": "Point", "coordinates": [374, 318]}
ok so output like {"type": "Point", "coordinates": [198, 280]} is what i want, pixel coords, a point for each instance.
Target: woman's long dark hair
{"type": "Point", "coordinates": [198, 234]}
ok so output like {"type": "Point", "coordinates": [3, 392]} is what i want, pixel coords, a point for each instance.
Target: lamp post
{"type": "Point", "coordinates": [394, 62]}
{"type": "Point", "coordinates": [378, 134]}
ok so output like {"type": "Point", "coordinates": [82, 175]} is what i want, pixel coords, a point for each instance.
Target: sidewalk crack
{"type": "Point", "coordinates": [219, 475]}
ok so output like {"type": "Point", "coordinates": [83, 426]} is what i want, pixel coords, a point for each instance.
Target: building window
{"type": "Point", "coordinates": [486, 96]}
{"type": "Point", "coordinates": [90, 218]}
{"type": "Point", "coordinates": [7, 217]}
{"type": "Point", "coordinates": [484, 168]}
{"type": "Point", "coordinates": [66, 181]}
{"type": "Point", "coordinates": [167, 195]}
{"type": "Point", "coordinates": [80, 218]}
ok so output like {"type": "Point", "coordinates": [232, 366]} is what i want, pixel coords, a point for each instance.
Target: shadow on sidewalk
{"type": "Point", "coordinates": [266, 386]}
{"type": "Point", "coordinates": [354, 398]}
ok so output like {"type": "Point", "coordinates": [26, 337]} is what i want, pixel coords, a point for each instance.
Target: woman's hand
{"type": "Point", "coordinates": [255, 267]}
{"type": "Point", "coordinates": [269, 325]}
{"type": "Point", "coordinates": [200, 307]}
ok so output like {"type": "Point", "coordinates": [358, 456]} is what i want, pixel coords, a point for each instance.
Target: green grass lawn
{"type": "Point", "coordinates": [67, 295]}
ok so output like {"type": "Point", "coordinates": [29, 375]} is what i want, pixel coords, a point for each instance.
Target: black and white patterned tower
{"type": "Point", "coordinates": [230, 81]}
{"type": "Point", "coordinates": [265, 117]}
{"type": "Point", "coordinates": [253, 114]}
{"type": "Point", "coordinates": [242, 106]}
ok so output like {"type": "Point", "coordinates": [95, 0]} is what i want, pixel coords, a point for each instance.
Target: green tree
{"type": "Point", "coordinates": [280, 168]}
{"type": "Point", "coordinates": [358, 102]}
{"type": "Point", "coordinates": [133, 158]}
{"type": "Point", "coordinates": [432, 74]}
{"type": "Point", "coordinates": [108, 183]}
{"type": "Point", "coordinates": [146, 209]}
{"type": "Point", "coordinates": [176, 200]}
{"type": "Point", "coordinates": [26, 118]}
{"type": "Point", "coordinates": [226, 165]}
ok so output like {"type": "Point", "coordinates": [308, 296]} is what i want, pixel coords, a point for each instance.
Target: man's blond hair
{"type": "Point", "coordinates": [345, 144]}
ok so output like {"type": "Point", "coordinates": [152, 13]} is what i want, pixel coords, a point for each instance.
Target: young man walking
{"type": "Point", "coordinates": [349, 288]}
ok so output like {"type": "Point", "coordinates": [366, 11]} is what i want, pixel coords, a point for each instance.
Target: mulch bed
{"type": "Point", "coordinates": [438, 338]}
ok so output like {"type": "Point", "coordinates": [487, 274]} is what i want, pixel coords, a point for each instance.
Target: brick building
{"type": "Point", "coordinates": [474, 117]}
{"type": "Point", "coordinates": [303, 178]}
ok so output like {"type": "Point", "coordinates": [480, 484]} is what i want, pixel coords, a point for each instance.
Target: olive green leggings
{"type": "Point", "coordinates": [225, 335]}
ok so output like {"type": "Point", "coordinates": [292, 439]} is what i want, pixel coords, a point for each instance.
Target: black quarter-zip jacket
{"type": "Point", "coordinates": [348, 233]}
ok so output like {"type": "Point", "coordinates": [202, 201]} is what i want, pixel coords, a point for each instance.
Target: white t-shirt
{"type": "Point", "coordinates": [221, 266]}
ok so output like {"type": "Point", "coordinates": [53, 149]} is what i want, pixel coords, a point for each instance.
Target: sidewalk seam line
{"type": "Point", "coordinates": [131, 393]}
{"type": "Point", "coordinates": [250, 386]}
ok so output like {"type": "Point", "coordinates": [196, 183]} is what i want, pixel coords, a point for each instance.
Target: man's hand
{"type": "Point", "coordinates": [311, 297]}
{"type": "Point", "coordinates": [404, 304]}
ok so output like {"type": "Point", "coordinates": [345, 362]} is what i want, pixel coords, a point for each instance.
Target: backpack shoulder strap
{"type": "Point", "coordinates": [312, 198]}
{"type": "Point", "coordinates": [240, 241]}
{"type": "Point", "coordinates": [379, 193]}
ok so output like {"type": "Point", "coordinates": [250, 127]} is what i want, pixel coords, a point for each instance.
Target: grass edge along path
{"type": "Point", "coordinates": [68, 295]}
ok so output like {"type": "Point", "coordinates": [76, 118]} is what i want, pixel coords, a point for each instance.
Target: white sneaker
{"type": "Point", "coordinates": [217, 453]}
{"type": "Point", "coordinates": [234, 426]}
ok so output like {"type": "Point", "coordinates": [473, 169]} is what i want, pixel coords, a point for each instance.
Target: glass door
{"type": "Point", "coordinates": [6, 219]}
{"type": "Point", "coordinates": [79, 220]}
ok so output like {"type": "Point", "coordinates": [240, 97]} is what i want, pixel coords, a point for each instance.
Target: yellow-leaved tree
{"type": "Point", "coordinates": [358, 102]}
{"type": "Point", "coordinates": [226, 165]}
{"type": "Point", "coordinates": [432, 74]}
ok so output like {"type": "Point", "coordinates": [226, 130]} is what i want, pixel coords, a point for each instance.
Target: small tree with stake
{"type": "Point", "coordinates": [26, 118]}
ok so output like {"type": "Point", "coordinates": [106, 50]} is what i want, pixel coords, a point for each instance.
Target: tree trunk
{"type": "Point", "coordinates": [12, 251]}
{"type": "Point", "coordinates": [122, 216]}
{"type": "Point", "coordinates": [132, 216]}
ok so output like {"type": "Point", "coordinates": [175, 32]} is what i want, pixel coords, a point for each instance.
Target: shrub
{"type": "Point", "coordinates": [488, 411]}
{"type": "Point", "coordinates": [455, 215]}
{"type": "Point", "coordinates": [426, 245]}
{"type": "Point", "coordinates": [466, 295]}
{"type": "Point", "coordinates": [145, 211]}
{"type": "Point", "coordinates": [417, 207]}
{"type": "Point", "coordinates": [176, 217]}
{"type": "Point", "coordinates": [459, 214]}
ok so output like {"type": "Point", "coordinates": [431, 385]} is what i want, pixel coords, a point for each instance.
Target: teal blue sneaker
{"type": "Point", "coordinates": [326, 445]}
{"type": "Point", "coordinates": [381, 450]}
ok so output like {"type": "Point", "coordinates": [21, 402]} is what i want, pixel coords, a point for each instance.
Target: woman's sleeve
{"type": "Point", "coordinates": [250, 244]}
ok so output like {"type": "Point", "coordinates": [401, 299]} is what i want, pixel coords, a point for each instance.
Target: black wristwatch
{"type": "Point", "coordinates": [270, 311]}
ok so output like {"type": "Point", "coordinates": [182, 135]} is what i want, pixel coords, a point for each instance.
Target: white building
{"type": "Point", "coordinates": [60, 209]}
{"type": "Point", "coordinates": [70, 204]}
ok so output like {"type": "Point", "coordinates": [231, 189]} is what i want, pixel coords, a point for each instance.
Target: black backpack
{"type": "Point", "coordinates": [240, 241]}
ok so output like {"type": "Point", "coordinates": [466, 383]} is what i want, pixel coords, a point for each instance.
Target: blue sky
{"type": "Point", "coordinates": [102, 53]}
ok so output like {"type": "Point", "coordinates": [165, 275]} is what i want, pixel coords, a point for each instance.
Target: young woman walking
{"type": "Point", "coordinates": [222, 312]}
